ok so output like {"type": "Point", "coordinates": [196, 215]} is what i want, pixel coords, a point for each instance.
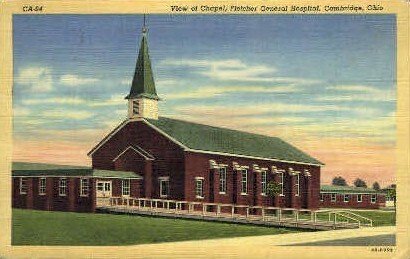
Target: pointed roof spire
{"type": "Point", "coordinates": [143, 82]}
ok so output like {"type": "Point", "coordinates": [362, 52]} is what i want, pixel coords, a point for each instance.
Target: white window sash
{"type": "Point", "coordinates": [84, 187]}
{"type": "Point", "coordinates": [62, 187]}
{"type": "Point", "coordinates": [23, 185]}
{"type": "Point", "coordinates": [164, 186]}
{"type": "Point", "coordinates": [199, 188]}
{"type": "Point", "coordinates": [244, 182]}
{"type": "Point", "coordinates": [361, 198]}
{"type": "Point", "coordinates": [264, 182]}
{"type": "Point", "coordinates": [42, 186]}
{"type": "Point", "coordinates": [222, 180]}
{"type": "Point", "coordinates": [333, 197]}
{"type": "Point", "coordinates": [125, 188]}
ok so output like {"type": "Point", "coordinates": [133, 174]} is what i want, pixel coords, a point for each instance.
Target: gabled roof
{"type": "Point", "coordinates": [143, 82]}
{"type": "Point", "coordinates": [38, 169]}
{"type": "Point", "coordinates": [199, 137]}
{"type": "Point", "coordinates": [346, 189]}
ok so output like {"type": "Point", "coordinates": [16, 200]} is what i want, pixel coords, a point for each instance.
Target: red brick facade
{"type": "Point", "coordinates": [353, 201]}
{"type": "Point", "coordinates": [182, 167]}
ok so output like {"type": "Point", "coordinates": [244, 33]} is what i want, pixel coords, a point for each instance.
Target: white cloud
{"type": "Point", "coordinates": [126, 82]}
{"type": "Point", "coordinates": [113, 101]}
{"type": "Point", "coordinates": [75, 80]}
{"type": "Point", "coordinates": [235, 70]}
{"type": "Point", "coordinates": [346, 93]}
{"type": "Point", "coordinates": [38, 79]}
{"type": "Point", "coordinates": [54, 100]}
{"type": "Point", "coordinates": [212, 91]}
{"type": "Point", "coordinates": [62, 114]}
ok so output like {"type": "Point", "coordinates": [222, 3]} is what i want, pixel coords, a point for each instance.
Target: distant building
{"type": "Point", "coordinates": [157, 157]}
{"type": "Point", "coordinates": [333, 196]}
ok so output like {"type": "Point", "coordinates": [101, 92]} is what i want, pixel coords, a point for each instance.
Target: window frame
{"type": "Point", "coordinates": [161, 181]}
{"type": "Point", "coordinates": [322, 197]}
{"type": "Point", "coordinates": [85, 187]}
{"type": "Point", "coordinates": [361, 197]}
{"type": "Point", "coordinates": [333, 197]}
{"type": "Point", "coordinates": [281, 183]}
{"type": "Point", "coordinates": [23, 185]}
{"type": "Point", "coordinates": [244, 182]}
{"type": "Point", "coordinates": [222, 180]}
{"type": "Point", "coordinates": [297, 185]}
{"type": "Point", "coordinates": [42, 186]}
{"type": "Point", "coordinates": [264, 182]}
{"type": "Point", "coordinates": [62, 187]}
{"type": "Point", "coordinates": [136, 106]}
{"type": "Point", "coordinates": [126, 188]}
{"type": "Point", "coordinates": [375, 198]}
{"type": "Point", "coordinates": [199, 192]}
{"type": "Point", "coordinates": [346, 196]}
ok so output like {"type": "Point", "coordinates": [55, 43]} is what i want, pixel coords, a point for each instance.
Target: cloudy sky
{"type": "Point", "coordinates": [324, 83]}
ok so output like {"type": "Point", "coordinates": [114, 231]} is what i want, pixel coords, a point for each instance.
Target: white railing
{"type": "Point", "coordinates": [233, 211]}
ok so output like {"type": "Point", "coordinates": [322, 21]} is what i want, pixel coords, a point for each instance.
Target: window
{"type": "Point", "coordinates": [199, 187]}
{"type": "Point", "coordinates": [62, 187]}
{"type": "Point", "coordinates": [126, 187]}
{"type": "Point", "coordinates": [42, 186]}
{"type": "Point", "coordinates": [84, 186]}
{"type": "Point", "coordinates": [373, 198]}
{"type": "Point", "coordinates": [264, 180]}
{"type": "Point", "coordinates": [322, 197]}
{"type": "Point", "coordinates": [164, 187]}
{"type": "Point", "coordinates": [297, 185]}
{"type": "Point", "coordinates": [100, 186]}
{"type": "Point", "coordinates": [222, 180]}
{"type": "Point", "coordinates": [244, 182]}
{"type": "Point", "coordinates": [23, 185]}
{"type": "Point", "coordinates": [135, 107]}
{"type": "Point", "coordinates": [281, 182]}
{"type": "Point", "coordinates": [346, 198]}
{"type": "Point", "coordinates": [333, 197]}
{"type": "Point", "coordinates": [359, 198]}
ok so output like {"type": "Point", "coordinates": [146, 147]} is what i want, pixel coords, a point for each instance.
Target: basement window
{"type": "Point", "coordinates": [23, 185]}
{"type": "Point", "coordinates": [42, 186]}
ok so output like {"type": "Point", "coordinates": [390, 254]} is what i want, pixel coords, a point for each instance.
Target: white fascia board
{"type": "Point", "coordinates": [250, 157]}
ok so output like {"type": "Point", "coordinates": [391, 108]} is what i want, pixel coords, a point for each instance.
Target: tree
{"type": "Point", "coordinates": [376, 186]}
{"type": "Point", "coordinates": [339, 181]}
{"type": "Point", "coordinates": [360, 183]}
{"type": "Point", "coordinates": [391, 193]}
{"type": "Point", "coordinates": [273, 188]}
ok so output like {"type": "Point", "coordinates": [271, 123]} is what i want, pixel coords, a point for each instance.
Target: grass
{"type": "Point", "coordinates": [32, 227]}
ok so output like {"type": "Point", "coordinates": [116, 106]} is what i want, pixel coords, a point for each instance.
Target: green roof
{"type": "Point", "coordinates": [346, 189]}
{"type": "Point", "coordinates": [143, 82]}
{"type": "Point", "coordinates": [38, 169]}
{"type": "Point", "coordinates": [213, 139]}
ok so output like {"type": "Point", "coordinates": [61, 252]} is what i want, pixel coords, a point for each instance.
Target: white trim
{"type": "Point", "coordinates": [353, 193]}
{"type": "Point", "coordinates": [77, 176]}
{"type": "Point", "coordinates": [125, 122]}
{"type": "Point", "coordinates": [137, 151]}
{"type": "Point", "coordinates": [199, 178]}
{"type": "Point", "coordinates": [21, 185]}
{"type": "Point", "coordinates": [108, 137]}
{"type": "Point", "coordinates": [82, 187]}
{"type": "Point", "coordinates": [361, 197]}
{"type": "Point", "coordinates": [64, 187]}
{"type": "Point", "coordinates": [41, 187]}
{"type": "Point", "coordinates": [344, 197]}
{"type": "Point", "coordinates": [375, 198]}
{"type": "Point", "coordinates": [250, 157]}
{"type": "Point", "coordinates": [163, 178]}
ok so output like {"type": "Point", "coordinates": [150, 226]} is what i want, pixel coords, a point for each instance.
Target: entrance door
{"type": "Point", "coordinates": [103, 192]}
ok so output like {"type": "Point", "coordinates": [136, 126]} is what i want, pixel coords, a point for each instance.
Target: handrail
{"type": "Point", "coordinates": [359, 216]}
{"type": "Point", "coordinates": [219, 210]}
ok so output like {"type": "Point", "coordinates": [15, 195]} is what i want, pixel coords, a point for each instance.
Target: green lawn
{"type": "Point", "coordinates": [32, 227]}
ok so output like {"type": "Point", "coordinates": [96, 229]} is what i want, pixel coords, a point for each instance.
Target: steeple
{"type": "Point", "coordinates": [143, 98]}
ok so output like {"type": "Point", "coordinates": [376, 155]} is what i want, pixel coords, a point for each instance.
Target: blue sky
{"type": "Point", "coordinates": [294, 76]}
